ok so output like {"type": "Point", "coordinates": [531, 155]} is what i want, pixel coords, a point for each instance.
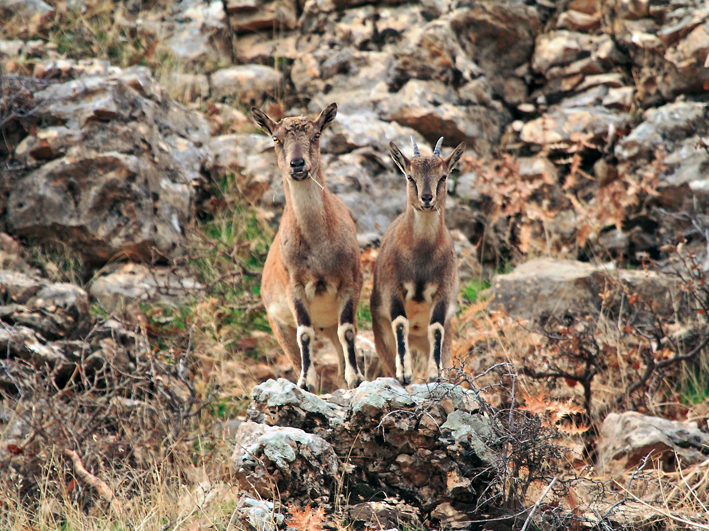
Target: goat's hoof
{"type": "Point", "coordinates": [353, 383]}
{"type": "Point", "coordinates": [353, 378]}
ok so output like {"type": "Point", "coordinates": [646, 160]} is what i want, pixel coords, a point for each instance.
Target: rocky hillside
{"type": "Point", "coordinates": [601, 104]}
{"type": "Point", "coordinates": [138, 200]}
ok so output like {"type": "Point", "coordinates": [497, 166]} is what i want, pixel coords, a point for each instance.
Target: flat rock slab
{"type": "Point", "coordinates": [135, 282]}
{"type": "Point", "coordinates": [548, 287]}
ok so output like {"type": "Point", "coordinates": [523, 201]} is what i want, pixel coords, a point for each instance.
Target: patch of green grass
{"type": "Point", "coordinates": [694, 382]}
{"type": "Point", "coordinates": [364, 314]}
{"type": "Point", "coordinates": [97, 310]}
{"type": "Point", "coordinates": [470, 291]}
{"type": "Point", "coordinates": [58, 261]}
{"type": "Point", "coordinates": [229, 408]}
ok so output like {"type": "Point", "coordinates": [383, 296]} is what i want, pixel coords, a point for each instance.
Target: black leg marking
{"type": "Point", "coordinates": [302, 316]}
{"type": "Point", "coordinates": [351, 355]}
{"type": "Point", "coordinates": [397, 308]}
{"type": "Point", "coordinates": [305, 352]}
{"type": "Point", "coordinates": [401, 345]}
{"type": "Point", "coordinates": [439, 313]}
{"type": "Point", "coordinates": [347, 314]}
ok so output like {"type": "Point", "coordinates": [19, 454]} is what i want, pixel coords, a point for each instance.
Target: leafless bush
{"type": "Point", "coordinates": [104, 421]}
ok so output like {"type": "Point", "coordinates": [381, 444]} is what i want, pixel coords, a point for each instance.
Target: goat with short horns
{"type": "Point", "coordinates": [312, 278]}
{"type": "Point", "coordinates": [416, 273]}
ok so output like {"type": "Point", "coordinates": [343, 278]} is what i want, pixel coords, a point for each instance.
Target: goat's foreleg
{"type": "Point", "coordinates": [436, 338]}
{"type": "Point", "coordinates": [400, 327]}
{"type": "Point", "coordinates": [305, 334]}
{"type": "Point", "coordinates": [347, 332]}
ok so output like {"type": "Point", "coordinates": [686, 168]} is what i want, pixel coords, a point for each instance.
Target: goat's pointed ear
{"type": "Point", "coordinates": [399, 158]}
{"type": "Point", "coordinates": [452, 161]}
{"type": "Point", "coordinates": [327, 116]}
{"type": "Point", "coordinates": [263, 120]}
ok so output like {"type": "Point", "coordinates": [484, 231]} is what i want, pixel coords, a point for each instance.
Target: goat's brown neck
{"type": "Point", "coordinates": [307, 205]}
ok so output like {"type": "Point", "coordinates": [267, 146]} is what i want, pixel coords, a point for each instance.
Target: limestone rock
{"type": "Point", "coordinates": [433, 52]}
{"type": "Point", "coordinates": [134, 282]}
{"type": "Point", "coordinates": [352, 131]}
{"type": "Point", "coordinates": [254, 15]}
{"type": "Point", "coordinates": [258, 48]}
{"type": "Point", "coordinates": [573, 125]}
{"type": "Point", "coordinates": [668, 52]}
{"type": "Point", "coordinates": [195, 32]}
{"type": "Point", "coordinates": [187, 88]}
{"type": "Point", "coordinates": [563, 53]}
{"type": "Point", "coordinates": [249, 84]}
{"type": "Point", "coordinates": [619, 98]}
{"type": "Point", "coordinates": [627, 438]}
{"type": "Point", "coordinates": [282, 403]}
{"type": "Point", "coordinates": [56, 311]}
{"type": "Point", "coordinates": [271, 460]}
{"type": "Point", "coordinates": [544, 287]}
{"type": "Point", "coordinates": [252, 159]}
{"type": "Point", "coordinates": [426, 442]}
{"type": "Point", "coordinates": [578, 21]}
{"type": "Point", "coordinates": [117, 178]}
{"type": "Point", "coordinates": [430, 108]}
{"type": "Point", "coordinates": [663, 127]}
{"type": "Point", "coordinates": [498, 36]}
{"type": "Point", "coordinates": [262, 514]}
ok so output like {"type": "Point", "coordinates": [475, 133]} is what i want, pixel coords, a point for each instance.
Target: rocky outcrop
{"type": "Point", "coordinates": [610, 83]}
{"type": "Point", "coordinates": [129, 283]}
{"type": "Point", "coordinates": [109, 168]}
{"type": "Point", "coordinates": [45, 324]}
{"type": "Point", "coordinates": [418, 450]}
{"type": "Point", "coordinates": [543, 288]}
{"type": "Point", "coordinates": [628, 438]}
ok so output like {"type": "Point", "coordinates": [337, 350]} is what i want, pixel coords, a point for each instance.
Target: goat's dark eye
{"type": "Point", "coordinates": [444, 178]}
{"type": "Point", "coordinates": [316, 137]}
{"type": "Point", "coordinates": [275, 139]}
{"type": "Point", "coordinates": [411, 179]}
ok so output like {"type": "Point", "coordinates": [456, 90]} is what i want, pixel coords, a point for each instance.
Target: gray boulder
{"type": "Point", "coordinates": [134, 282]}
{"type": "Point", "coordinates": [110, 170]}
{"type": "Point", "coordinates": [547, 287]}
{"type": "Point", "coordinates": [56, 311]}
{"type": "Point", "coordinates": [272, 461]}
{"type": "Point", "coordinates": [627, 438]}
{"type": "Point", "coordinates": [423, 443]}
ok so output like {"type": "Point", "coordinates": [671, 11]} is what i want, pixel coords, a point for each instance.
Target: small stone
{"type": "Point", "coordinates": [578, 21]}
{"type": "Point", "coordinates": [619, 98]}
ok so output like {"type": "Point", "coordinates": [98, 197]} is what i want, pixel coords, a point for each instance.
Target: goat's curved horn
{"type": "Point", "coordinates": [417, 153]}
{"type": "Point", "coordinates": [437, 149]}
